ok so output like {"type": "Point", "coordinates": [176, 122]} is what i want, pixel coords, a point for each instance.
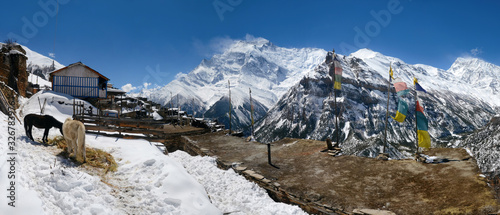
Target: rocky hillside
{"type": "Point", "coordinates": [307, 109]}
{"type": "Point", "coordinates": [484, 145]}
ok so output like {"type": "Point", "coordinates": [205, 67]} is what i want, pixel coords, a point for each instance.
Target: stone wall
{"type": "Point", "coordinates": [13, 67]}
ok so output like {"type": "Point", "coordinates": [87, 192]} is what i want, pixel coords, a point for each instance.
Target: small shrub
{"type": "Point", "coordinates": [9, 42]}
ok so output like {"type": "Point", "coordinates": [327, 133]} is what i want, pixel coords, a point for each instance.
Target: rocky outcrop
{"type": "Point", "coordinates": [13, 67]}
{"type": "Point", "coordinates": [484, 144]}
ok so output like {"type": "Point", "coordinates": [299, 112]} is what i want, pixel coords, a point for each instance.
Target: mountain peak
{"type": "Point", "coordinates": [464, 65]}
{"type": "Point", "coordinates": [365, 53]}
{"type": "Point", "coordinates": [468, 60]}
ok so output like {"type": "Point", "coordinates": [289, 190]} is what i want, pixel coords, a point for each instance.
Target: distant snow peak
{"type": "Point", "coordinates": [365, 53]}
{"type": "Point", "coordinates": [466, 60]}
{"type": "Point", "coordinates": [464, 65]}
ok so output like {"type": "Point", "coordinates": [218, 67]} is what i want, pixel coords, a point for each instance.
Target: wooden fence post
{"type": "Point", "coordinates": [74, 115]}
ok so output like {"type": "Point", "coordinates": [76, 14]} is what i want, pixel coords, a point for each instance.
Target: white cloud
{"type": "Point", "coordinates": [52, 55]}
{"type": "Point", "coordinates": [476, 51]}
{"type": "Point", "coordinates": [201, 48]}
{"type": "Point", "coordinates": [128, 87]}
{"type": "Point", "coordinates": [145, 85]}
{"type": "Point", "coordinates": [221, 44]}
{"type": "Point", "coordinates": [218, 45]}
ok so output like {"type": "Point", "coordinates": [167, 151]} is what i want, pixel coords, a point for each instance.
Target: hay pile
{"type": "Point", "coordinates": [95, 157]}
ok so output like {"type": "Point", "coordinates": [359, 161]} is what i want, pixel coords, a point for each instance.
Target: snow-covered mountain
{"type": "Point", "coordinates": [255, 63]}
{"type": "Point", "coordinates": [453, 105]}
{"type": "Point", "coordinates": [38, 64]}
{"type": "Point", "coordinates": [478, 77]}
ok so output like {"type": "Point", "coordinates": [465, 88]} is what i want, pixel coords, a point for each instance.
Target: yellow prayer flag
{"type": "Point", "coordinates": [399, 117]}
{"type": "Point", "coordinates": [337, 85]}
{"type": "Point", "coordinates": [390, 72]}
{"type": "Point", "coordinates": [424, 140]}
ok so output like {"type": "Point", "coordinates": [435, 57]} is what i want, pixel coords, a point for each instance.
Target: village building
{"type": "Point", "coordinates": [80, 81]}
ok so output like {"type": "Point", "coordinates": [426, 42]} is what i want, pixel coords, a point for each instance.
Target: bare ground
{"type": "Point", "coordinates": [349, 182]}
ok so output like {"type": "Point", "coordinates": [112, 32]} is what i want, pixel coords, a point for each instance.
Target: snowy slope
{"type": "Point", "coordinates": [480, 78]}
{"type": "Point", "coordinates": [258, 64]}
{"type": "Point", "coordinates": [36, 58]}
{"type": "Point", "coordinates": [35, 79]}
{"type": "Point", "coordinates": [251, 199]}
{"type": "Point", "coordinates": [146, 182]}
{"type": "Point", "coordinates": [307, 109]}
{"type": "Point", "coordinates": [469, 76]}
{"type": "Point", "coordinates": [39, 64]}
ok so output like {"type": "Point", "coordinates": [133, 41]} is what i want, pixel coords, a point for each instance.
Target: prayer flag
{"type": "Point", "coordinates": [401, 88]}
{"type": "Point", "coordinates": [419, 88]}
{"type": "Point", "coordinates": [424, 139]}
{"type": "Point", "coordinates": [391, 74]}
{"type": "Point", "coordinates": [402, 111]}
{"type": "Point", "coordinates": [338, 67]}
{"type": "Point", "coordinates": [338, 74]}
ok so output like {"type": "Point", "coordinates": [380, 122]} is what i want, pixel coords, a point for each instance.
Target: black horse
{"type": "Point", "coordinates": [40, 121]}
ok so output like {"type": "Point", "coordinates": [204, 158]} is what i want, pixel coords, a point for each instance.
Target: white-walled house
{"type": "Point", "coordinates": [80, 81]}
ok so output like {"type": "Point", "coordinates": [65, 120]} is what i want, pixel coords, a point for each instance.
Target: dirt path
{"type": "Point", "coordinates": [349, 182]}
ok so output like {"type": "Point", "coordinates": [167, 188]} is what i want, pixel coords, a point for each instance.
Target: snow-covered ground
{"type": "Point", "coordinates": [246, 197]}
{"type": "Point", "coordinates": [146, 181]}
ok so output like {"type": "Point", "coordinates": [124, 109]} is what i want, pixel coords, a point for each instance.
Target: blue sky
{"type": "Point", "coordinates": [151, 41]}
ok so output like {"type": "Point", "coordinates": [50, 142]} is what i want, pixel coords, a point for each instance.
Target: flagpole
{"type": "Point", "coordinates": [229, 87]}
{"type": "Point", "coordinates": [416, 125]}
{"type": "Point", "coordinates": [387, 112]}
{"type": "Point", "coordinates": [336, 116]}
{"type": "Point", "coordinates": [335, 105]}
{"type": "Point", "coordinates": [251, 109]}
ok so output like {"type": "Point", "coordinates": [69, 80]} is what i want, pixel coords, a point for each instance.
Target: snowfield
{"type": "Point", "coordinates": [146, 181]}
{"type": "Point", "coordinates": [251, 199]}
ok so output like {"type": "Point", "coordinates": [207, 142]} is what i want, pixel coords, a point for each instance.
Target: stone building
{"type": "Point", "coordinates": [13, 67]}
